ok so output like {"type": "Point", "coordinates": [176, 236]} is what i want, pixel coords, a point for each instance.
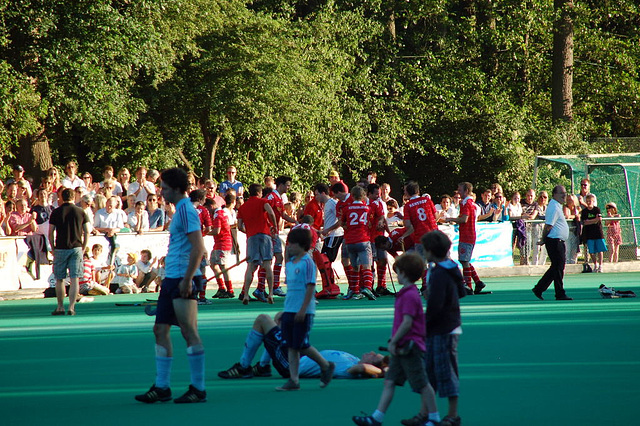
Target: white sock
{"type": "Point", "coordinates": [251, 346]}
{"type": "Point", "coordinates": [378, 416]}
{"type": "Point", "coordinates": [163, 371]}
{"type": "Point", "coordinates": [434, 416]}
{"type": "Point", "coordinates": [195, 355]}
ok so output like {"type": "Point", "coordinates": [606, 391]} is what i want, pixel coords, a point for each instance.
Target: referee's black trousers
{"type": "Point", "coordinates": [555, 273]}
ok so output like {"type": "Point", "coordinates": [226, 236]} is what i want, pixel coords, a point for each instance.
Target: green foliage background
{"type": "Point", "coordinates": [439, 91]}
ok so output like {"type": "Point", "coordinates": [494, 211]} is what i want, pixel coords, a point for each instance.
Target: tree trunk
{"type": "Point", "coordinates": [34, 155]}
{"type": "Point", "coordinates": [562, 74]}
{"type": "Point", "coordinates": [210, 146]}
{"type": "Point", "coordinates": [487, 26]}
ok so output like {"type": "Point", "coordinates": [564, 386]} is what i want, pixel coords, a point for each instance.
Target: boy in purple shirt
{"type": "Point", "coordinates": [407, 348]}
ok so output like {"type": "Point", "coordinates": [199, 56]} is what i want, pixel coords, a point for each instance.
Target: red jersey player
{"type": "Point", "coordinates": [391, 244]}
{"type": "Point", "coordinates": [256, 219]}
{"type": "Point", "coordinates": [467, 228]}
{"type": "Point", "coordinates": [274, 198]}
{"type": "Point", "coordinates": [222, 244]}
{"type": "Point", "coordinates": [419, 215]}
{"type": "Point", "coordinates": [355, 218]}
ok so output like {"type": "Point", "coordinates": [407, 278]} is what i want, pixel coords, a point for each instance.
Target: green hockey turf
{"type": "Point", "coordinates": [522, 361]}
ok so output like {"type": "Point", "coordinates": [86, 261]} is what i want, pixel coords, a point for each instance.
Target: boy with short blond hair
{"type": "Point", "coordinates": [407, 348]}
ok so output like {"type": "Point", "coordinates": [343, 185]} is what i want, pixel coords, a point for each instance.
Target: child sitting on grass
{"type": "Point", "coordinates": [407, 348]}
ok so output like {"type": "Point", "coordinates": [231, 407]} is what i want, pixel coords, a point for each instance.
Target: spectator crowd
{"type": "Point", "coordinates": [117, 203]}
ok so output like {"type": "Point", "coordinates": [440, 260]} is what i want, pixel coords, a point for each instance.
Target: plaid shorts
{"type": "Point", "coordinates": [442, 364]}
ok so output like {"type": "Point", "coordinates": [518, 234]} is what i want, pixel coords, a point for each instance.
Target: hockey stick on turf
{"type": "Point", "coordinates": [230, 268]}
{"type": "Point", "coordinates": [150, 303]}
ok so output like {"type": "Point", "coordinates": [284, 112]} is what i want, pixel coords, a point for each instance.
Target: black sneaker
{"type": "Point", "coordinates": [451, 421]}
{"type": "Point", "coordinates": [221, 293]}
{"type": "Point", "coordinates": [237, 372]}
{"type": "Point", "coordinates": [479, 286]}
{"type": "Point", "coordinates": [261, 371]}
{"type": "Point", "coordinates": [155, 394]}
{"type": "Point", "coordinates": [383, 291]}
{"type": "Point", "coordinates": [192, 395]}
{"type": "Point", "coordinates": [368, 294]}
{"type": "Point", "coordinates": [365, 421]}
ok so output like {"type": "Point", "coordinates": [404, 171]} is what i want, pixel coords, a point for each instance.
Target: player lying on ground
{"type": "Point", "coordinates": [266, 330]}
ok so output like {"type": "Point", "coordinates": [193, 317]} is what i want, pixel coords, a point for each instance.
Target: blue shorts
{"type": "Point", "coordinates": [278, 353]}
{"type": "Point", "coordinates": [277, 244]}
{"type": "Point", "coordinates": [295, 335]}
{"type": "Point", "coordinates": [465, 252]}
{"type": "Point", "coordinates": [378, 254]}
{"type": "Point", "coordinates": [259, 248]}
{"type": "Point", "coordinates": [344, 252]}
{"type": "Point", "coordinates": [359, 254]}
{"type": "Point", "coordinates": [441, 362]}
{"type": "Point", "coordinates": [70, 259]}
{"type": "Point", "coordinates": [171, 290]}
{"type": "Point", "coordinates": [596, 246]}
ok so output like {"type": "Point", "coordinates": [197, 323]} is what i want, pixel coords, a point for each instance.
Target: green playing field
{"type": "Point", "coordinates": [522, 361]}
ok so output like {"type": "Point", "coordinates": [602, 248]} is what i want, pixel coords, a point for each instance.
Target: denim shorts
{"type": "Point", "coordinates": [259, 248]}
{"type": "Point", "coordinates": [359, 254]}
{"type": "Point", "coordinates": [277, 244]}
{"type": "Point", "coordinates": [70, 259]}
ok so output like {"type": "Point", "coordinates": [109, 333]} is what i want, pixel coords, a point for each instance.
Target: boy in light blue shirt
{"type": "Point", "coordinates": [299, 310]}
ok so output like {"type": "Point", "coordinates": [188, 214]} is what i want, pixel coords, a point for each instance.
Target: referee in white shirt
{"type": "Point", "coordinates": [554, 235]}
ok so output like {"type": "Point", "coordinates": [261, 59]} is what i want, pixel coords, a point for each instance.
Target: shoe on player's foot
{"type": "Point", "coordinates": [365, 421]}
{"type": "Point", "coordinates": [358, 296]}
{"type": "Point", "coordinates": [350, 294]}
{"type": "Point", "coordinates": [479, 286]}
{"type": "Point", "coordinates": [219, 294]}
{"type": "Point", "coordinates": [279, 292]}
{"type": "Point", "coordinates": [236, 372]}
{"type": "Point", "coordinates": [451, 421]}
{"type": "Point", "coordinates": [260, 295]}
{"type": "Point", "coordinates": [192, 395]}
{"type": "Point", "coordinates": [289, 385]}
{"type": "Point", "coordinates": [417, 420]}
{"type": "Point", "coordinates": [327, 375]}
{"type": "Point", "coordinates": [228, 295]}
{"type": "Point", "coordinates": [155, 394]}
{"type": "Point", "coordinates": [383, 291]}
{"type": "Point", "coordinates": [261, 370]}
{"type": "Point", "coordinates": [368, 294]}
{"type": "Point", "coordinates": [204, 301]}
